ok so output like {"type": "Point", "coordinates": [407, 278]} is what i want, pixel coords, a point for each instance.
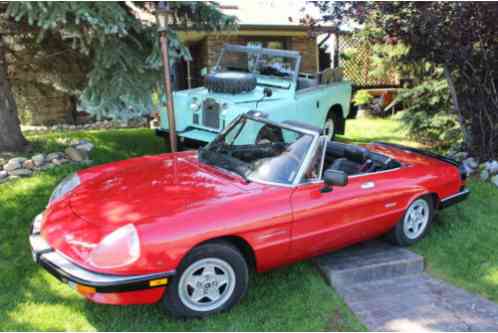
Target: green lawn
{"type": "Point", "coordinates": [461, 248]}
{"type": "Point", "coordinates": [289, 299]}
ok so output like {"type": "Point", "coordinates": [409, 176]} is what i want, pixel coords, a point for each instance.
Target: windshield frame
{"type": "Point", "coordinates": [259, 51]}
{"type": "Point", "coordinates": [306, 161]}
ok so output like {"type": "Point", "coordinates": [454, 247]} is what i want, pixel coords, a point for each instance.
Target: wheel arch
{"type": "Point", "coordinates": [238, 242]}
{"type": "Point", "coordinates": [426, 193]}
{"type": "Point", "coordinates": [337, 113]}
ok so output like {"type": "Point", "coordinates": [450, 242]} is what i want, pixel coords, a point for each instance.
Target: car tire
{"type": "Point", "coordinates": [330, 127]}
{"type": "Point", "coordinates": [415, 223]}
{"type": "Point", "coordinates": [211, 279]}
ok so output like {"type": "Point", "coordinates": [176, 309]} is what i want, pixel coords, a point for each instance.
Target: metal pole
{"type": "Point", "coordinates": [169, 95]}
{"type": "Point", "coordinates": [189, 77]}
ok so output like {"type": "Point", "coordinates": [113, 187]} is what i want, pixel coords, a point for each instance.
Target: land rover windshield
{"type": "Point", "coordinates": [276, 65]}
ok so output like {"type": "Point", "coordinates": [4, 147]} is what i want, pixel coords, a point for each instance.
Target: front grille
{"type": "Point", "coordinates": [211, 113]}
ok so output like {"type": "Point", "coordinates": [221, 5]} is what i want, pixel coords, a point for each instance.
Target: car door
{"type": "Point", "coordinates": [363, 209]}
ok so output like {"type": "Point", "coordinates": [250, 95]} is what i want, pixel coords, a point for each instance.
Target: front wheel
{"type": "Point", "coordinates": [415, 222]}
{"type": "Point", "coordinates": [211, 279]}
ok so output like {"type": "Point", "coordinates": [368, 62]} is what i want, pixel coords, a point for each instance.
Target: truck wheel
{"type": "Point", "coordinates": [211, 279]}
{"type": "Point", "coordinates": [329, 129]}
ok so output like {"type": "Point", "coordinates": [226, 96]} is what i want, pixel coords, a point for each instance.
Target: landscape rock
{"type": "Point", "coordinates": [468, 170]}
{"type": "Point", "coordinates": [76, 154]}
{"type": "Point", "coordinates": [471, 162]}
{"type": "Point", "coordinates": [17, 160]}
{"type": "Point", "coordinates": [38, 159]}
{"type": "Point", "coordinates": [85, 146]}
{"type": "Point", "coordinates": [3, 174]}
{"type": "Point", "coordinates": [460, 156]}
{"type": "Point", "coordinates": [484, 175]}
{"type": "Point", "coordinates": [12, 165]}
{"type": "Point", "coordinates": [21, 173]}
{"type": "Point", "coordinates": [492, 167]}
{"type": "Point", "coordinates": [28, 164]}
{"type": "Point", "coordinates": [54, 156]}
{"type": "Point", "coordinates": [494, 180]}
{"type": "Point", "coordinates": [60, 161]}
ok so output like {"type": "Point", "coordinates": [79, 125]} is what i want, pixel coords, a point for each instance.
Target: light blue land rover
{"type": "Point", "coordinates": [260, 80]}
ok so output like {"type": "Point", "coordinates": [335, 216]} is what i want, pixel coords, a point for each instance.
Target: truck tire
{"type": "Point", "coordinates": [231, 82]}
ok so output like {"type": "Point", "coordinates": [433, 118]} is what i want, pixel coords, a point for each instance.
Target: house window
{"type": "Point", "coordinates": [269, 43]}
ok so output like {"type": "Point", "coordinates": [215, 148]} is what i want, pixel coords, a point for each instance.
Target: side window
{"type": "Point", "coordinates": [315, 168]}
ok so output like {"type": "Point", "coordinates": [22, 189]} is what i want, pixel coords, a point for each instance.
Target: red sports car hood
{"type": "Point", "coordinates": [149, 187]}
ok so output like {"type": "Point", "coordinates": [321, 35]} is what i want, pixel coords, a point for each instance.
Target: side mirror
{"type": "Point", "coordinates": [204, 71]}
{"type": "Point", "coordinates": [267, 92]}
{"type": "Point", "coordinates": [333, 178]}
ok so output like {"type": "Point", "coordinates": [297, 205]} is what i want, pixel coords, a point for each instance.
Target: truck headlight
{"type": "Point", "coordinates": [67, 185]}
{"type": "Point", "coordinates": [195, 105]}
{"type": "Point", "coordinates": [120, 248]}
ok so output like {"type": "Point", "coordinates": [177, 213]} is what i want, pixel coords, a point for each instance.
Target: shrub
{"type": "Point", "coordinates": [427, 114]}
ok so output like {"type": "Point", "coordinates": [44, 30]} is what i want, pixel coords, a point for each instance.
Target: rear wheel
{"type": "Point", "coordinates": [415, 223]}
{"type": "Point", "coordinates": [211, 279]}
{"type": "Point", "coordinates": [329, 129]}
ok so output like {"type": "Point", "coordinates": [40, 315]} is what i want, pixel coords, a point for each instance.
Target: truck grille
{"type": "Point", "coordinates": [211, 113]}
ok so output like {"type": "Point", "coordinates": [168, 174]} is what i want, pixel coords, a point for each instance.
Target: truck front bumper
{"type": "Point", "coordinates": [101, 288]}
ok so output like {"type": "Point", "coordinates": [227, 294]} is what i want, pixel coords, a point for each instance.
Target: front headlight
{"type": "Point", "coordinates": [118, 249]}
{"type": "Point", "coordinates": [67, 185]}
{"type": "Point", "coordinates": [195, 105]}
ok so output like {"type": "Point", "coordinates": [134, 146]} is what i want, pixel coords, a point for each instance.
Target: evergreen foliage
{"type": "Point", "coordinates": [118, 39]}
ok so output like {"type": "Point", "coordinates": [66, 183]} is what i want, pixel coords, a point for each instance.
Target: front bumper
{"type": "Point", "coordinates": [75, 276]}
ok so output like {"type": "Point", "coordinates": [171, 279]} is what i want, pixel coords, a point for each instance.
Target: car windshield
{"type": "Point", "coordinates": [262, 62]}
{"type": "Point", "coordinates": [259, 151]}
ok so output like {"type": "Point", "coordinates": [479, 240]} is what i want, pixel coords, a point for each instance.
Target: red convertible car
{"type": "Point", "coordinates": [184, 229]}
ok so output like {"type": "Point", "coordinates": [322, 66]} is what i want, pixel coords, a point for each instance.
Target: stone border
{"type": "Point", "coordinates": [99, 125]}
{"type": "Point", "coordinates": [77, 152]}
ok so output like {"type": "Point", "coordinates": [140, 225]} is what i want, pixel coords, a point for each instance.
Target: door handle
{"type": "Point", "coordinates": [367, 185]}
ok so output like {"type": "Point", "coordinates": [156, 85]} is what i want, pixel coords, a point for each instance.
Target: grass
{"type": "Point", "coordinates": [295, 298]}
{"type": "Point", "coordinates": [461, 248]}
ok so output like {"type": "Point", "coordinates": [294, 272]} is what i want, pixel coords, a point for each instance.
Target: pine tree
{"type": "Point", "coordinates": [117, 39]}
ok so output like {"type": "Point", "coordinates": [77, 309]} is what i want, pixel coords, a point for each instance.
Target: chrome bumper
{"type": "Point", "coordinates": [454, 199]}
{"type": "Point", "coordinates": [72, 274]}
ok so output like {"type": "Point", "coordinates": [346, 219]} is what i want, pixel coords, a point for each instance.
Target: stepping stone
{"type": "Point", "coordinates": [367, 262]}
{"type": "Point", "coordinates": [386, 288]}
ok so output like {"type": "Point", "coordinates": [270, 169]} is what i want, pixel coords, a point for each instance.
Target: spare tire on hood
{"type": "Point", "coordinates": [230, 82]}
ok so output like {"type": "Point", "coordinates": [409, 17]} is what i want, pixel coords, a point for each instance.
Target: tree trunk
{"type": "Point", "coordinates": [467, 135]}
{"type": "Point", "coordinates": [11, 137]}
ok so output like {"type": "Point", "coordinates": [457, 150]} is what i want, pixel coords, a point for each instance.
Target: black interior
{"type": "Point", "coordinates": [355, 160]}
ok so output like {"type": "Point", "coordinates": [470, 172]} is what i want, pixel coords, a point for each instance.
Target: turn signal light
{"type": "Point", "coordinates": [158, 282]}
{"type": "Point", "coordinates": [85, 290]}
